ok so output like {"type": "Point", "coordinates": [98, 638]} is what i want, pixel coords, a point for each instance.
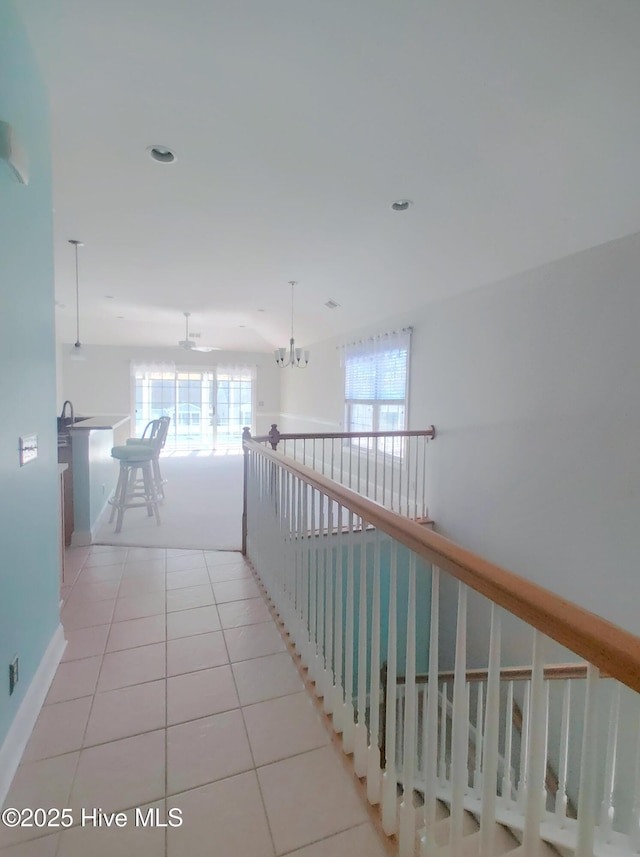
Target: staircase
{"type": "Point", "coordinates": [355, 584]}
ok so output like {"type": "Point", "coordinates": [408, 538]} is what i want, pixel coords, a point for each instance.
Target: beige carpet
{"type": "Point", "coordinates": [202, 507]}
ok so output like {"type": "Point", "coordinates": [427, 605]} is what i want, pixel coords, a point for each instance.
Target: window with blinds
{"type": "Point", "coordinates": [376, 386]}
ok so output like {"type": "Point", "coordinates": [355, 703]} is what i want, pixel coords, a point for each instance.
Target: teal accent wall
{"type": "Point", "coordinates": [423, 598]}
{"type": "Point", "coordinates": [29, 564]}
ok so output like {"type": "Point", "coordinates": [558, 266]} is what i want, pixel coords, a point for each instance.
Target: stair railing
{"type": "Point", "coordinates": [355, 584]}
{"type": "Point", "coordinates": [511, 716]}
{"type": "Point", "coordinates": [388, 467]}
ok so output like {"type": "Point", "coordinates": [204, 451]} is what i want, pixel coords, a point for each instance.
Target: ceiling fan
{"type": "Point", "coordinates": [189, 344]}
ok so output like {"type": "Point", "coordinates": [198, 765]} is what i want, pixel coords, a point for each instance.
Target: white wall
{"type": "Point", "coordinates": [101, 384]}
{"type": "Point", "coordinates": [533, 385]}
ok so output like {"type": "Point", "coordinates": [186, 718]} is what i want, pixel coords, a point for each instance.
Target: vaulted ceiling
{"type": "Point", "coordinates": [513, 126]}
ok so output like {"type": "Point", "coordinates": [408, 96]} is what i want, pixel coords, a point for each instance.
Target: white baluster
{"type": "Point", "coordinates": [490, 750]}
{"type": "Point", "coordinates": [606, 808]}
{"type": "Point", "coordinates": [634, 824]}
{"type": "Point", "coordinates": [392, 505]}
{"type": "Point", "coordinates": [328, 612]}
{"type": "Point", "coordinates": [305, 642]}
{"type": "Point", "coordinates": [348, 718]}
{"type": "Point", "coordinates": [524, 743]}
{"type": "Point", "coordinates": [367, 492]}
{"type": "Point", "coordinates": [333, 457]}
{"type": "Point", "coordinates": [444, 708]}
{"type": "Point", "coordinates": [399, 728]}
{"type": "Point", "coordinates": [563, 757]}
{"type": "Point", "coordinates": [507, 785]}
{"type": "Point", "coordinates": [384, 471]}
{"type": "Point", "coordinates": [415, 476]}
{"type": "Point", "coordinates": [319, 671]}
{"type": "Point", "coordinates": [361, 737]}
{"type": "Point", "coordinates": [407, 467]}
{"type": "Point", "coordinates": [543, 793]}
{"type": "Point", "coordinates": [338, 690]}
{"type": "Point", "coordinates": [424, 478]}
{"type": "Point", "coordinates": [460, 728]}
{"type": "Point", "coordinates": [407, 836]}
{"type": "Point", "coordinates": [313, 592]}
{"type": "Point", "coordinates": [375, 469]}
{"type": "Point", "coordinates": [389, 779]}
{"type": "Point", "coordinates": [588, 766]}
{"type": "Point", "coordinates": [373, 756]}
{"type": "Point", "coordinates": [477, 772]}
{"type": "Point", "coordinates": [398, 461]}
{"type": "Point", "coordinates": [468, 726]}
{"type": "Point", "coordinates": [302, 542]}
{"type": "Point", "coordinates": [430, 723]}
{"type": "Point", "coordinates": [286, 565]}
{"type": "Point", "coordinates": [536, 750]}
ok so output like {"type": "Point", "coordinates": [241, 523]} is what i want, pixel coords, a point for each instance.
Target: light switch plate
{"type": "Point", "coordinates": [28, 448]}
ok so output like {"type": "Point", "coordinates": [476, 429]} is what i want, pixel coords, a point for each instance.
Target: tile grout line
{"type": "Point", "coordinates": [390, 844]}
{"type": "Point", "coordinates": [255, 768]}
{"type": "Point", "coordinates": [241, 707]}
{"type": "Point", "coordinates": [86, 726]}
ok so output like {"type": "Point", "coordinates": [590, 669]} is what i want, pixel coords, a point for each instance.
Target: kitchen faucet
{"type": "Point", "coordinates": [64, 409]}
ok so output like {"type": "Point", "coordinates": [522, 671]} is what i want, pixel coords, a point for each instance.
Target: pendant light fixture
{"type": "Point", "coordinates": [77, 353]}
{"type": "Point", "coordinates": [296, 357]}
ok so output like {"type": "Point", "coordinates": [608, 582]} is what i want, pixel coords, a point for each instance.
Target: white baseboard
{"type": "Point", "coordinates": [20, 730]}
{"type": "Point", "coordinates": [83, 538]}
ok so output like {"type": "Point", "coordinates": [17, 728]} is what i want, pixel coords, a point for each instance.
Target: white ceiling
{"type": "Point", "coordinates": [513, 125]}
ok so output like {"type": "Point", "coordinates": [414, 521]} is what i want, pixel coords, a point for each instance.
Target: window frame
{"type": "Point", "coordinates": [370, 446]}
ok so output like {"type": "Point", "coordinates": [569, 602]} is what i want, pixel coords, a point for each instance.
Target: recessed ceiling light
{"type": "Point", "coordinates": [260, 310]}
{"type": "Point", "coordinates": [109, 297]}
{"type": "Point", "coordinates": [119, 316]}
{"type": "Point", "coordinates": [161, 154]}
{"type": "Point", "coordinates": [331, 304]}
{"type": "Point", "coordinates": [242, 325]}
{"type": "Point", "coordinates": [401, 204]}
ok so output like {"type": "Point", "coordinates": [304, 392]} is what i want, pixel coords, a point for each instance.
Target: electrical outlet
{"type": "Point", "coordinates": [13, 674]}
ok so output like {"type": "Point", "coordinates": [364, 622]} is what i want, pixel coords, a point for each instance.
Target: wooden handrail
{"type": "Point", "coordinates": [552, 672]}
{"type": "Point", "coordinates": [275, 436]}
{"type": "Point", "coordinates": [613, 650]}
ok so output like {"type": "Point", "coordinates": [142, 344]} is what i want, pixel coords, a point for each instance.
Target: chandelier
{"type": "Point", "coordinates": [296, 357]}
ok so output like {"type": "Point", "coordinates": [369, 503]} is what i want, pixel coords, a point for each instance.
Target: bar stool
{"type": "Point", "coordinates": [132, 492]}
{"type": "Point", "coordinates": [154, 435]}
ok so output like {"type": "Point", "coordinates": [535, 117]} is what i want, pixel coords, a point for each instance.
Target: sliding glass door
{"type": "Point", "coordinates": [234, 406]}
{"type": "Point", "coordinates": [208, 407]}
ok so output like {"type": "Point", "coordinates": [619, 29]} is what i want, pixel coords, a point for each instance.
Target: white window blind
{"type": "Point", "coordinates": [376, 375]}
{"type": "Point", "coordinates": [380, 375]}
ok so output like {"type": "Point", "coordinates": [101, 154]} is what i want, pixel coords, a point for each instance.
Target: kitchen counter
{"type": "Point", "coordinates": [95, 472]}
{"type": "Point", "coordinates": [102, 422]}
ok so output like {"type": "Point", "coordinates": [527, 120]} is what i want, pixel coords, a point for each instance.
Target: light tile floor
{"type": "Point", "coordinates": [177, 692]}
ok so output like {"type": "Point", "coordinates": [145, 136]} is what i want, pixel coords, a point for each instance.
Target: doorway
{"type": "Point", "coordinates": [208, 406]}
